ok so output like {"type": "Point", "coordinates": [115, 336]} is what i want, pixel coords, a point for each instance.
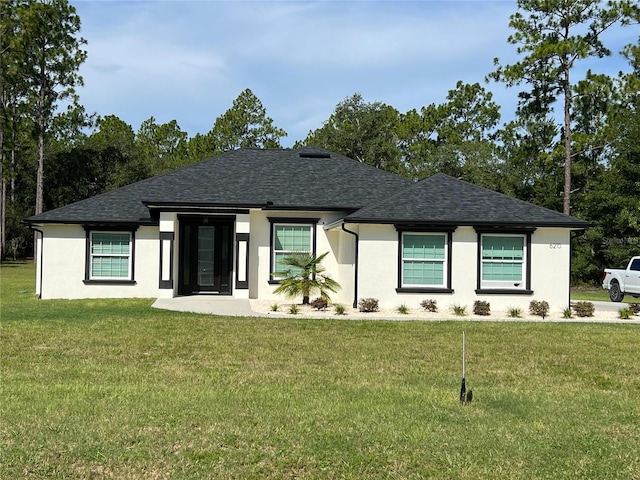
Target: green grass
{"type": "Point", "coordinates": [115, 389]}
{"type": "Point", "coordinates": [594, 294]}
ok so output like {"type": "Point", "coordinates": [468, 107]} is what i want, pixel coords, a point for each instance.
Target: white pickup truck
{"type": "Point", "coordinates": [623, 282]}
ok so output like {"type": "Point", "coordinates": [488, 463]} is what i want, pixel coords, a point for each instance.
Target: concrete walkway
{"type": "Point", "coordinates": [212, 304]}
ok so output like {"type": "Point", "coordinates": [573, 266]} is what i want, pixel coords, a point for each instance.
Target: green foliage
{"type": "Point", "coordinates": [481, 308]}
{"type": "Point", "coordinates": [245, 125]}
{"type": "Point", "coordinates": [161, 147]}
{"type": "Point", "coordinates": [539, 308]}
{"type": "Point", "coordinates": [403, 309]}
{"type": "Point", "coordinates": [362, 131]}
{"type": "Point", "coordinates": [202, 146]}
{"type": "Point", "coordinates": [552, 36]}
{"type": "Point", "coordinates": [531, 169]}
{"type": "Point", "coordinates": [275, 307]}
{"type": "Point", "coordinates": [87, 173]}
{"type": "Point", "coordinates": [625, 313]}
{"type": "Point", "coordinates": [567, 313]}
{"type": "Point", "coordinates": [459, 310]}
{"type": "Point", "coordinates": [610, 200]}
{"type": "Point", "coordinates": [429, 305]}
{"type": "Point", "coordinates": [40, 57]}
{"type": "Point", "coordinates": [319, 303]}
{"type": "Point", "coordinates": [294, 309]}
{"type": "Point", "coordinates": [339, 309]}
{"type": "Point", "coordinates": [368, 305]}
{"type": "Point", "coordinates": [304, 276]}
{"type": "Point", "coordinates": [453, 137]}
{"type": "Point", "coordinates": [514, 312]}
{"type": "Point", "coordinates": [584, 309]}
{"type": "Point", "coordinates": [51, 54]}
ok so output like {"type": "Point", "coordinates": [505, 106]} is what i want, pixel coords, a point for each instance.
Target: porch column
{"type": "Point", "coordinates": [167, 242]}
{"type": "Point", "coordinates": [242, 256]}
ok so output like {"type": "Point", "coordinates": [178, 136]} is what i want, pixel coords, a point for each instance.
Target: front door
{"type": "Point", "coordinates": [205, 256]}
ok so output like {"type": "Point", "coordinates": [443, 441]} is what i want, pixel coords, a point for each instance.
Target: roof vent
{"type": "Point", "coordinates": [314, 152]}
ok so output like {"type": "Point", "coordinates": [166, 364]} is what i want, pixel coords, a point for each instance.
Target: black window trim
{"type": "Point", "coordinates": [87, 263]}
{"type": "Point", "coordinates": [312, 222]}
{"type": "Point", "coordinates": [446, 230]}
{"type": "Point", "coordinates": [526, 232]}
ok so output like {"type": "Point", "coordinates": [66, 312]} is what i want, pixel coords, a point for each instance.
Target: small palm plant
{"type": "Point", "coordinates": [304, 276]}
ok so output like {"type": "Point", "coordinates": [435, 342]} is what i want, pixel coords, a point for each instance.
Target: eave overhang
{"type": "Point", "coordinates": [486, 225]}
{"type": "Point", "coordinates": [148, 222]}
{"type": "Point", "coordinates": [227, 207]}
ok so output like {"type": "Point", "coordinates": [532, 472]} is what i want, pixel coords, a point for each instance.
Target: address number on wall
{"type": "Point", "coordinates": [555, 246]}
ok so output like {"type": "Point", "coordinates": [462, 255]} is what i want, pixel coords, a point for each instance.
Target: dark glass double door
{"type": "Point", "coordinates": [205, 256]}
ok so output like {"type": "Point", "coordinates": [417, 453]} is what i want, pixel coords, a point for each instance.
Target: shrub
{"type": "Point", "coordinates": [625, 313]}
{"type": "Point", "coordinates": [302, 274]}
{"type": "Point", "coordinates": [293, 309]}
{"type": "Point", "coordinates": [514, 312]}
{"type": "Point", "coordinates": [635, 308]}
{"type": "Point", "coordinates": [403, 309]}
{"type": "Point", "coordinates": [539, 308]}
{"type": "Point", "coordinates": [339, 309]}
{"type": "Point", "coordinates": [275, 307]}
{"type": "Point", "coordinates": [459, 310]}
{"type": "Point", "coordinates": [319, 303]}
{"type": "Point", "coordinates": [567, 313]}
{"type": "Point", "coordinates": [429, 305]}
{"type": "Point", "coordinates": [481, 308]}
{"type": "Point", "coordinates": [584, 309]}
{"type": "Point", "coordinates": [368, 305]}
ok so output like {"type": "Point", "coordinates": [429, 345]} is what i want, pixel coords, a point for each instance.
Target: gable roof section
{"type": "Point", "coordinates": [304, 179]}
{"type": "Point", "coordinates": [445, 201]}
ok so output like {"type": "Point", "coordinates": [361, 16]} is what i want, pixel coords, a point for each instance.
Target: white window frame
{"type": "Point", "coordinates": [274, 252]}
{"type": "Point", "coordinates": [129, 256]}
{"type": "Point", "coordinates": [444, 261]}
{"type": "Point", "coordinates": [504, 284]}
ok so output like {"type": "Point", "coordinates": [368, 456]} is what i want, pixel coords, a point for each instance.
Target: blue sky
{"type": "Point", "coordinates": [188, 60]}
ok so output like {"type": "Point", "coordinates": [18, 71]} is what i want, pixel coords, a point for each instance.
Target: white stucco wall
{"type": "Point", "coordinates": [340, 267]}
{"type": "Point", "coordinates": [551, 266]}
{"type": "Point", "coordinates": [378, 270]}
{"type": "Point", "coordinates": [65, 245]}
{"type": "Point", "coordinates": [63, 264]}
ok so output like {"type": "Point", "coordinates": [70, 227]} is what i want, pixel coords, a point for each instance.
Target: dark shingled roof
{"type": "Point", "coordinates": [304, 179]}
{"type": "Point", "coordinates": [443, 200]}
{"type": "Point", "coordinates": [308, 179]}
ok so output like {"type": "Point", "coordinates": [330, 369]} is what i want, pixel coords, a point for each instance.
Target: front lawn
{"type": "Point", "coordinates": [115, 389]}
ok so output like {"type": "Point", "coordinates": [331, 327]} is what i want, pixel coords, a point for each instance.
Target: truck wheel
{"type": "Point", "coordinates": [615, 294]}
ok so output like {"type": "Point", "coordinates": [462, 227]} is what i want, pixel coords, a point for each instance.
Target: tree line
{"type": "Point", "coordinates": [586, 164]}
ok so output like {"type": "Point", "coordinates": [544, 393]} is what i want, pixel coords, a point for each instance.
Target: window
{"type": "Point", "coordinates": [503, 262]}
{"type": "Point", "coordinates": [290, 236]}
{"type": "Point", "coordinates": [288, 239]}
{"type": "Point", "coordinates": [423, 259]}
{"type": "Point", "coordinates": [109, 256]}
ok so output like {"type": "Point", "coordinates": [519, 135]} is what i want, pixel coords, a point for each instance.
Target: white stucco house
{"type": "Point", "coordinates": [220, 227]}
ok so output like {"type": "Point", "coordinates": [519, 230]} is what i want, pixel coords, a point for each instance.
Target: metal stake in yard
{"type": "Point", "coordinates": [465, 397]}
{"type": "Point", "coordinates": [463, 386]}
